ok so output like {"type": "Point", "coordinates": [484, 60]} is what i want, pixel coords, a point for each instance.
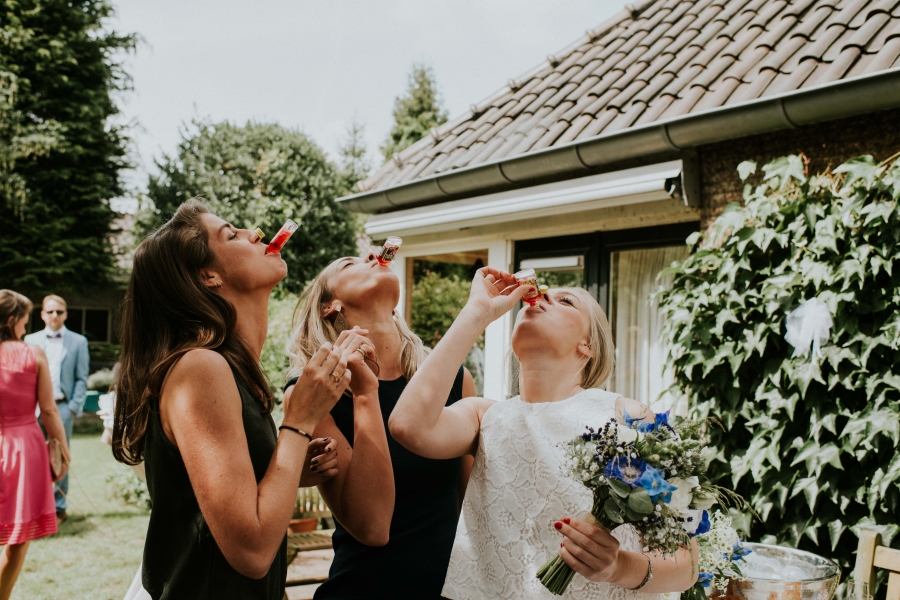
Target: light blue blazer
{"type": "Point", "coordinates": [75, 367]}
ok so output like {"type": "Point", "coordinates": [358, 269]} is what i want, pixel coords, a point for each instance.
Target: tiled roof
{"type": "Point", "coordinates": [660, 60]}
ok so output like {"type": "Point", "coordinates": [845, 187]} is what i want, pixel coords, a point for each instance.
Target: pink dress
{"type": "Point", "coordinates": [27, 508]}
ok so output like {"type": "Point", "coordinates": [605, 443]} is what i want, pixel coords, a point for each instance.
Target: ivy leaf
{"type": "Point", "coordinates": [860, 168]}
{"type": "Point", "coordinates": [612, 510]}
{"type": "Point", "coordinates": [782, 170]}
{"type": "Point", "coordinates": [746, 169]}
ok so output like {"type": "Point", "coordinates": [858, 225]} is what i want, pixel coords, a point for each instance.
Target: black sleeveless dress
{"type": "Point", "coordinates": [414, 562]}
{"type": "Point", "coordinates": [181, 558]}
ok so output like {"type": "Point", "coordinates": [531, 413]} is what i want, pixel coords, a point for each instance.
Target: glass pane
{"type": "Point", "coordinates": [96, 325]}
{"type": "Point", "coordinates": [437, 289]}
{"type": "Point", "coordinates": [636, 323]}
{"type": "Point", "coordinates": [75, 320]}
{"type": "Point", "coordinates": [557, 271]}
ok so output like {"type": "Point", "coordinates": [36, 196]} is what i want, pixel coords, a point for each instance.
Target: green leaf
{"type": "Point", "coordinates": [639, 501]}
{"type": "Point", "coordinates": [860, 168]}
{"type": "Point", "coordinates": [620, 488]}
{"type": "Point", "coordinates": [746, 169]}
{"type": "Point", "coordinates": [613, 511]}
{"type": "Point", "coordinates": [782, 170]}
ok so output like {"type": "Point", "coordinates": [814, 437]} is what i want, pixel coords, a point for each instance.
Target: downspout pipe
{"type": "Point", "coordinates": [817, 104]}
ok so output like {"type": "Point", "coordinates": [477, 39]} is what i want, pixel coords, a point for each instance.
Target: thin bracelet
{"type": "Point", "coordinates": [649, 574]}
{"type": "Point", "coordinates": [295, 430]}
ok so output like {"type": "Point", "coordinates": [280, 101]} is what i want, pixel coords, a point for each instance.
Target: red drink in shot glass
{"type": "Point", "coordinates": [528, 277]}
{"type": "Point", "coordinates": [286, 231]}
{"type": "Point", "coordinates": [389, 250]}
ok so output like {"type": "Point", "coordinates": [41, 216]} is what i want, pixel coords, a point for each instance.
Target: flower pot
{"type": "Point", "coordinates": [302, 525]}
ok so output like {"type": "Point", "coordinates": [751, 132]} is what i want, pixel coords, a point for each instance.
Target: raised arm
{"type": "Point", "coordinates": [361, 494]}
{"type": "Point", "coordinates": [201, 412]}
{"type": "Point", "coordinates": [421, 421]}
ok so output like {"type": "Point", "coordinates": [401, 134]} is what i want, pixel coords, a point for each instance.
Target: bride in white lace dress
{"type": "Point", "coordinates": [519, 504]}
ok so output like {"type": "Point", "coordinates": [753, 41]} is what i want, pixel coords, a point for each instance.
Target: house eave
{"type": "Point", "coordinates": [808, 106]}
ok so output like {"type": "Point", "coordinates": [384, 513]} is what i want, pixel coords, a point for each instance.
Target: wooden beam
{"type": "Point", "coordinates": [887, 558]}
{"type": "Point", "coordinates": [864, 572]}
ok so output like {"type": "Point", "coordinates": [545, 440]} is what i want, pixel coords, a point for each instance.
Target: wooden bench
{"type": "Point", "coordinates": [872, 555]}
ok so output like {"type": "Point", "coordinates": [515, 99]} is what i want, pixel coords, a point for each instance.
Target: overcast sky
{"type": "Point", "coordinates": [314, 65]}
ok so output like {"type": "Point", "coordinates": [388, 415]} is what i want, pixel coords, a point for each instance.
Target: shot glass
{"type": "Point", "coordinates": [286, 231]}
{"type": "Point", "coordinates": [389, 250]}
{"type": "Point", "coordinates": [528, 277]}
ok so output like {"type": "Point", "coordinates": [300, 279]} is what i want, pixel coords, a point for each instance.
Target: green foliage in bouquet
{"type": "Point", "coordinates": [811, 440]}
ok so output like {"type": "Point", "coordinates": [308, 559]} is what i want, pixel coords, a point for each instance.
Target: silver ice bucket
{"type": "Point", "coordinates": [780, 573]}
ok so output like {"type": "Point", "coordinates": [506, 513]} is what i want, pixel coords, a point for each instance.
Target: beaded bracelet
{"type": "Point", "coordinates": [295, 430]}
{"type": "Point", "coordinates": [649, 574]}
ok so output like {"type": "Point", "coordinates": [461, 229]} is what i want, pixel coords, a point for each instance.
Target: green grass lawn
{"type": "Point", "coordinates": [98, 549]}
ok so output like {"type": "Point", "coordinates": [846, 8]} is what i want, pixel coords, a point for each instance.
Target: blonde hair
{"type": "Point", "coordinates": [311, 329]}
{"type": "Point", "coordinates": [15, 305]}
{"type": "Point", "coordinates": [54, 298]}
{"type": "Point", "coordinates": [599, 367]}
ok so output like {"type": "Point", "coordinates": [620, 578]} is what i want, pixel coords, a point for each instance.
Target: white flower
{"type": "Point", "coordinates": [692, 520]}
{"type": "Point", "coordinates": [626, 435]}
{"type": "Point", "coordinates": [682, 497]}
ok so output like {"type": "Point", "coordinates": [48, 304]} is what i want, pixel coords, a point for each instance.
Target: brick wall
{"type": "Point", "coordinates": [827, 145]}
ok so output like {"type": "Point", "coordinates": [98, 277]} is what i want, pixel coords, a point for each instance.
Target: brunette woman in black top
{"type": "Point", "coordinates": [193, 402]}
{"type": "Point", "coordinates": [391, 541]}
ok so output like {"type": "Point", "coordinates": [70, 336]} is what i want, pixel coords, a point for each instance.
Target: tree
{"type": "Point", "coordinates": [810, 435]}
{"type": "Point", "coordinates": [259, 175]}
{"type": "Point", "coordinates": [60, 156]}
{"type": "Point", "coordinates": [416, 112]}
{"type": "Point", "coordinates": [355, 164]}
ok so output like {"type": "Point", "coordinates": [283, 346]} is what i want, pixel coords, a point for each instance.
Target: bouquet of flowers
{"type": "Point", "coordinates": [650, 475]}
{"type": "Point", "coordinates": [722, 552]}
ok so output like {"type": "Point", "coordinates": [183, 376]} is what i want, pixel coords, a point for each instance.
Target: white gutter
{"type": "Point", "coordinates": [807, 106]}
{"type": "Point", "coordinates": [630, 186]}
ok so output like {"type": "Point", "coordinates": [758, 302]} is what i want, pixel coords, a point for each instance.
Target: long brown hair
{"type": "Point", "coordinates": [167, 312]}
{"type": "Point", "coordinates": [15, 305]}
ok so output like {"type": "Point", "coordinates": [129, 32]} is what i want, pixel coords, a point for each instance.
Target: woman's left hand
{"type": "Point", "coordinates": [321, 462]}
{"type": "Point", "coordinates": [591, 551]}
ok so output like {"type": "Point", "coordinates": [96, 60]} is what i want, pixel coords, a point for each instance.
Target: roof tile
{"type": "Point", "coordinates": [671, 58]}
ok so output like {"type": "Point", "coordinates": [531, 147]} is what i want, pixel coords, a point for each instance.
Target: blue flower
{"type": "Point", "coordinates": [627, 470]}
{"type": "Point", "coordinates": [659, 420]}
{"type": "Point", "coordinates": [705, 579]}
{"type": "Point", "coordinates": [656, 485]}
{"type": "Point", "coordinates": [738, 551]}
{"type": "Point", "coordinates": [704, 525]}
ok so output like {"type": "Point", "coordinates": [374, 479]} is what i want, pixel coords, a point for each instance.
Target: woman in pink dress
{"type": "Point", "coordinates": [27, 508]}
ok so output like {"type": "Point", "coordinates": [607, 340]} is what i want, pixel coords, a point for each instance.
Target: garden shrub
{"type": "Point", "coordinates": [811, 442]}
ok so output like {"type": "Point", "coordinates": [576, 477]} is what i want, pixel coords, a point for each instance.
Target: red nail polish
{"type": "Point", "coordinates": [561, 545]}
{"type": "Point", "coordinates": [558, 525]}
{"type": "Point", "coordinates": [567, 520]}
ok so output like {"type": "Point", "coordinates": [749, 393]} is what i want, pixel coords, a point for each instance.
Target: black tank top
{"type": "Point", "coordinates": [414, 562]}
{"type": "Point", "coordinates": [181, 558]}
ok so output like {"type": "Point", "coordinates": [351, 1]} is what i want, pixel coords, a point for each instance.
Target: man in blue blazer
{"type": "Point", "coordinates": [67, 354]}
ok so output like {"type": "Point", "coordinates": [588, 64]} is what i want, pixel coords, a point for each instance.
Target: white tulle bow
{"type": "Point", "coordinates": [808, 324]}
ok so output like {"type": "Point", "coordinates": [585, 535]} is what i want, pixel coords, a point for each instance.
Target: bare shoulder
{"type": "Point", "coordinates": [634, 408]}
{"type": "Point", "coordinates": [197, 377]}
{"type": "Point", "coordinates": [39, 354]}
{"type": "Point", "coordinates": [476, 404]}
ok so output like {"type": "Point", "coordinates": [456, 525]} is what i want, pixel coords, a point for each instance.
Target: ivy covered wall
{"type": "Point", "coordinates": [809, 440]}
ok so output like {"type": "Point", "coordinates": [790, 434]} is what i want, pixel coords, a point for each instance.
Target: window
{"type": "Point", "coordinates": [92, 323]}
{"type": "Point", "coordinates": [620, 269]}
{"type": "Point", "coordinates": [437, 288]}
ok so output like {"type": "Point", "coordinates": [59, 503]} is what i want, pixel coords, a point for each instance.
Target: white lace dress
{"type": "Point", "coordinates": [516, 492]}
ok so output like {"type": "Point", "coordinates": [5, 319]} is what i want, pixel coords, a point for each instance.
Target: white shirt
{"type": "Point", "coordinates": [517, 490]}
{"type": "Point", "coordinates": [54, 350]}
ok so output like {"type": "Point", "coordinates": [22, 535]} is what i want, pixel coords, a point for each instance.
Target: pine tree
{"type": "Point", "coordinates": [416, 112]}
{"type": "Point", "coordinates": [355, 164]}
{"type": "Point", "coordinates": [59, 155]}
